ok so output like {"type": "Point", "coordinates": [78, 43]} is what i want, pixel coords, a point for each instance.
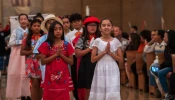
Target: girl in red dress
{"type": "Point", "coordinates": [32, 64]}
{"type": "Point", "coordinates": [56, 54]}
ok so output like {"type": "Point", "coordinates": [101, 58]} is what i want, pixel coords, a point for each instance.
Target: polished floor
{"type": "Point", "coordinates": [126, 93]}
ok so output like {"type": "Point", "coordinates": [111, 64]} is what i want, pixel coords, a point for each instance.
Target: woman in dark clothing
{"type": "Point", "coordinates": [3, 35]}
{"type": "Point", "coordinates": [166, 67]}
{"type": "Point", "coordinates": [134, 39]}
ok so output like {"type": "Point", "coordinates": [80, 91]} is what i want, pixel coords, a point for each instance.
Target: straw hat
{"type": "Point", "coordinates": [49, 17]}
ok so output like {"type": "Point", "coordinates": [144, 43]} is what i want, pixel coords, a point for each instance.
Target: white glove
{"type": "Point", "coordinates": [91, 42]}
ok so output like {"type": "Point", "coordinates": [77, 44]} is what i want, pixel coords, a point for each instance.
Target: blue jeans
{"type": "Point", "coordinates": [162, 78]}
{"type": "Point", "coordinates": [152, 80]}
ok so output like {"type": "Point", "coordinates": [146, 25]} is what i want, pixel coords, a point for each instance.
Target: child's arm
{"type": "Point", "coordinates": [45, 60]}
{"type": "Point", "coordinates": [68, 59]}
{"type": "Point", "coordinates": [94, 56]}
{"type": "Point", "coordinates": [24, 52]}
{"type": "Point", "coordinates": [117, 56]}
{"type": "Point", "coordinates": [80, 53]}
{"type": "Point", "coordinates": [38, 56]}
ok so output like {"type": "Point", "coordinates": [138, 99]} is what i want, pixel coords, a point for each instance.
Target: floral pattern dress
{"type": "Point", "coordinates": [57, 76]}
{"type": "Point", "coordinates": [32, 64]}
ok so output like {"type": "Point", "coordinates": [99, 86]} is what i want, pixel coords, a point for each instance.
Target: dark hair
{"type": "Point", "coordinates": [161, 33]}
{"type": "Point", "coordinates": [85, 35]}
{"type": "Point", "coordinates": [50, 38]}
{"type": "Point", "coordinates": [135, 41]}
{"type": "Point", "coordinates": [75, 17]}
{"type": "Point", "coordinates": [66, 16]}
{"type": "Point", "coordinates": [134, 27]}
{"type": "Point", "coordinates": [105, 19]}
{"type": "Point", "coordinates": [39, 15]}
{"type": "Point", "coordinates": [146, 34]}
{"type": "Point", "coordinates": [171, 40]}
{"type": "Point", "coordinates": [30, 34]}
{"type": "Point", "coordinates": [23, 15]}
{"type": "Point", "coordinates": [125, 35]}
{"type": "Point", "coordinates": [0, 23]}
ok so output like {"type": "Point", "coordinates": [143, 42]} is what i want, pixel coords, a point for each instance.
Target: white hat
{"type": "Point", "coordinates": [49, 17]}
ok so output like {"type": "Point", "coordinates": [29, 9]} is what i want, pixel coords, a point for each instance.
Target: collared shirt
{"type": "Point", "coordinates": [17, 36]}
{"type": "Point", "coordinates": [156, 48]}
{"type": "Point", "coordinates": [71, 36]}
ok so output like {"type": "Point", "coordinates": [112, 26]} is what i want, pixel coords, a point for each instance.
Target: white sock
{"type": "Point", "coordinates": [166, 94]}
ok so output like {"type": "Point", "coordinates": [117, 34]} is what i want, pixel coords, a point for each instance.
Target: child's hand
{"type": "Point", "coordinates": [169, 74]}
{"type": "Point", "coordinates": [58, 52]}
{"type": "Point", "coordinates": [107, 48]}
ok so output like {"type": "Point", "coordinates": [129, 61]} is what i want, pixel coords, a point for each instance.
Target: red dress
{"type": "Point", "coordinates": [32, 64]}
{"type": "Point", "coordinates": [56, 85]}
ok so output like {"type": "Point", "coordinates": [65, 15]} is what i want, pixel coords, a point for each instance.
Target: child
{"type": "Point", "coordinates": [56, 54]}
{"type": "Point", "coordinates": [32, 64]}
{"type": "Point", "coordinates": [39, 16]}
{"type": "Point", "coordinates": [45, 27]}
{"type": "Point", "coordinates": [83, 49]}
{"type": "Point", "coordinates": [73, 36]}
{"type": "Point", "coordinates": [18, 85]}
{"type": "Point", "coordinates": [106, 51]}
{"type": "Point", "coordinates": [66, 25]}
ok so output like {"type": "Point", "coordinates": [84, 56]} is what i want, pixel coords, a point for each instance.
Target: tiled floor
{"type": "Point", "coordinates": [126, 93]}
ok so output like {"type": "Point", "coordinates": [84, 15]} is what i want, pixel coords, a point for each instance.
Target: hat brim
{"type": "Point", "coordinates": [44, 22]}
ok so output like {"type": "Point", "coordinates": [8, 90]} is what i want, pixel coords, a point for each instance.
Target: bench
{"type": "Point", "coordinates": [139, 67]}
{"type": "Point", "coordinates": [150, 57]}
{"type": "Point", "coordinates": [130, 57]}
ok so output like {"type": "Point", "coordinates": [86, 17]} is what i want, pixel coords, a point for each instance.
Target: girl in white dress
{"type": "Point", "coordinates": [106, 51]}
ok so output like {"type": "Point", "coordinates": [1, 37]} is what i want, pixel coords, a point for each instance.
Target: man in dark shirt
{"type": "Point", "coordinates": [3, 34]}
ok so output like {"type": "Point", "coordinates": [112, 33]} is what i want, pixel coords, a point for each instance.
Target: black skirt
{"type": "Point", "coordinates": [86, 72]}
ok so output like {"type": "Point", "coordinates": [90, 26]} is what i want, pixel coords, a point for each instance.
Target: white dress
{"type": "Point", "coordinates": [106, 80]}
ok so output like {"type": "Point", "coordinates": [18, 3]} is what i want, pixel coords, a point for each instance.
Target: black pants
{"type": "Point", "coordinates": [172, 82]}
{"type": "Point", "coordinates": [74, 77]}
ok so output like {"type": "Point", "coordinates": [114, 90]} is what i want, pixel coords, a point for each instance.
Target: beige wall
{"type": "Point", "coordinates": [168, 14]}
{"type": "Point", "coordinates": [136, 11]}
{"type": "Point", "coordinates": [61, 7]}
{"type": "Point", "coordinates": [119, 11]}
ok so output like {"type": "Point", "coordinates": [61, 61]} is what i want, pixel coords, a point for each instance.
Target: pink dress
{"type": "Point", "coordinates": [17, 82]}
{"type": "Point", "coordinates": [57, 76]}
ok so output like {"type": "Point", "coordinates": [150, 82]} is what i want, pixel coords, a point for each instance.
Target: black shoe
{"type": "Point", "coordinates": [23, 98]}
{"type": "Point", "coordinates": [169, 97]}
{"type": "Point", "coordinates": [158, 94]}
{"type": "Point", "coordinates": [28, 98]}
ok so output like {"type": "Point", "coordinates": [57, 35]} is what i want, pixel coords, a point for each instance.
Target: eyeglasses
{"type": "Point", "coordinates": [92, 25]}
